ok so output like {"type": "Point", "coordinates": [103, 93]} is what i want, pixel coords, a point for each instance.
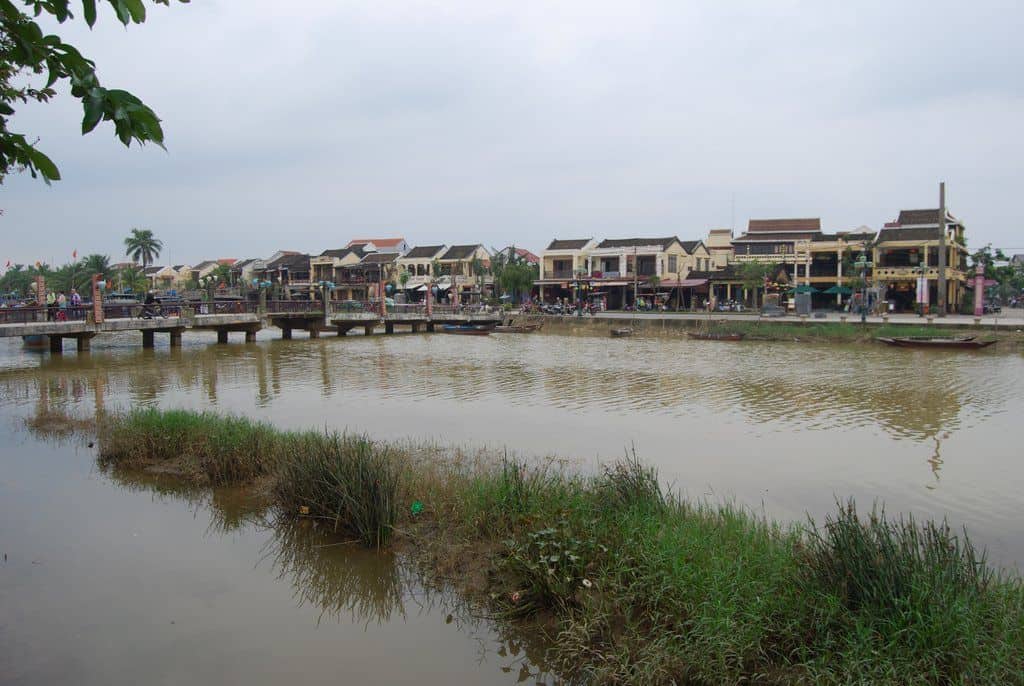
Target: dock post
{"type": "Point", "coordinates": [147, 339]}
{"type": "Point", "coordinates": [250, 336]}
{"type": "Point", "coordinates": [82, 343]}
{"type": "Point", "coordinates": [222, 336]}
{"type": "Point", "coordinates": [430, 327]}
{"type": "Point", "coordinates": [389, 327]}
{"type": "Point", "coordinates": [286, 334]}
{"type": "Point", "coordinates": [314, 332]}
{"type": "Point", "coordinates": [175, 338]}
{"type": "Point", "coordinates": [415, 327]}
{"type": "Point", "coordinates": [56, 345]}
{"type": "Point", "coordinates": [368, 329]}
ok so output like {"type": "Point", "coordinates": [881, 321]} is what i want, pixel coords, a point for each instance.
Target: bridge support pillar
{"type": "Point", "coordinates": [56, 345]}
{"type": "Point", "coordinates": [175, 338]}
{"type": "Point", "coordinates": [389, 327]}
{"type": "Point", "coordinates": [250, 336]}
{"type": "Point", "coordinates": [368, 329]}
{"type": "Point", "coordinates": [343, 330]}
{"type": "Point", "coordinates": [286, 334]}
{"type": "Point", "coordinates": [430, 327]}
{"type": "Point", "coordinates": [314, 332]}
{"type": "Point", "coordinates": [222, 336]}
{"type": "Point", "coordinates": [147, 339]}
{"type": "Point", "coordinates": [415, 327]}
{"type": "Point", "coordinates": [82, 342]}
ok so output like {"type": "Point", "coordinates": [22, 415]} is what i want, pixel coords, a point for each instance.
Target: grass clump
{"type": "Point", "coordinates": [348, 480]}
{"type": "Point", "coordinates": [631, 582]}
{"type": "Point", "coordinates": [915, 593]}
{"type": "Point", "coordinates": [203, 446]}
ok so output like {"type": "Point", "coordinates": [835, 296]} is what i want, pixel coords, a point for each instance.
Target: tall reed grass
{"type": "Point", "coordinates": [640, 585]}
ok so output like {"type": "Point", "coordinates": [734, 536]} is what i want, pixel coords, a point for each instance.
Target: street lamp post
{"type": "Point", "coordinates": [863, 264]}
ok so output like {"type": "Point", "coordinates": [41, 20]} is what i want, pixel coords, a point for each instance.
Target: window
{"type": "Point", "coordinates": [673, 264]}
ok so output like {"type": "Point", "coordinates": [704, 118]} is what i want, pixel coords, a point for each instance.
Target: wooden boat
{"type": "Point", "coordinates": [958, 343]}
{"type": "Point", "coordinates": [713, 336]}
{"type": "Point", "coordinates": [35, 341]}
{"type": "Point", "coordinates": [621, 333]}
{"type": "Point", "coordinates": [465, 330]}
{"type": "Point", "coordinates": [517, 328]}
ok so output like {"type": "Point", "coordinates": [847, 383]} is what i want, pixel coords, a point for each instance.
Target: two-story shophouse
{"type": "Point", "coordinates": [465, 272]}
{"type": "Point", "coordinates": [622, 268]}
{"type": "Point", "coordinates": [563, 261]}
{"type": "Point", "coordinates": [418, 263]}
{"type": "Point", "coordinates": [906, 258]}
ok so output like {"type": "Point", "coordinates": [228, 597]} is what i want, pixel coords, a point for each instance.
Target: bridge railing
{"type": "Point", "coordinates": [294, 306]}
{"type": "Point", "coordinates": [408, 309]}
{"type": "Point", "coordinates": [227, 307]}
{"type": "Point", "coordinates": [22, 315]}
{"type": "Point", "coordinates": [353, 307]}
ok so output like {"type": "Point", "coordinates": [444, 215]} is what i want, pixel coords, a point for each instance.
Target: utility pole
{"type": "Point", "coordinates": [942, 249]}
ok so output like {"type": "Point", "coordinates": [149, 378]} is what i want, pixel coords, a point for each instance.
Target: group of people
{"type": "Point", "coordinates": [57, 304]}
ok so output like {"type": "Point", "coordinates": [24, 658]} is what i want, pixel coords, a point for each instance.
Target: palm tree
{"type": "Point", "coordinates": [133, 279]}
{"type": "Point", "coordinates": [95, 264]}
{"type": "Point", "coordinates": [143, 245]}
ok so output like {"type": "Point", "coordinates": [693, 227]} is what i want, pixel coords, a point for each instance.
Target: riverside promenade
{"type": "Point", "coordinates": [1009, 319]}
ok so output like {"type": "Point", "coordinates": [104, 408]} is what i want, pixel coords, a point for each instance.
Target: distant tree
{"type": "Point", "coordinates": [132, 279]}
{"type": "Point", "coordinates": [26, 52]}
{"type": "Point", "coordinates": [142, 245]}
{"type": "Point", "coordinates": [403, 277]}
{"type": "Point", "coordinates": [96, 264]}
{"type": "Point", "coordinates": [221, 275]}
{"type": "Point", "coordinates": [753, 274]}
{"type": "Point", "coordinates": [517, 279]}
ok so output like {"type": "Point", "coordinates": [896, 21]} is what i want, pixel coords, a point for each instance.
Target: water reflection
{"type": "Point", "coordinates": [795, 387]}
{"type": "Point", "coordinates": [339, 578]}
{"type": "Point", "coordinates": [346, 583]}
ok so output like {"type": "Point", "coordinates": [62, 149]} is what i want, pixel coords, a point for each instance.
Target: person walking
{"type": "Point", "coordinates": [62, 307]}
{"type": "Point", "coordinates": [51, 305]}
{"type": "Point", "coordinates": [76, 299]}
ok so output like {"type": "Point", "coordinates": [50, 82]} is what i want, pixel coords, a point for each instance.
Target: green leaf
{"type": "Point", "coordinates": [93, 113]}
{"type": "Point", "coordinates": [137, 10]}
{"type": "Point", "coordinates": [44, 164]}
{"type": "Point", "coordinates": [89, 10]}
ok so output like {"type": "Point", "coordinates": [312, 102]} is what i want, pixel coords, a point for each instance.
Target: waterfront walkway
{"type": "Point", "coordinates": [1010, 319]}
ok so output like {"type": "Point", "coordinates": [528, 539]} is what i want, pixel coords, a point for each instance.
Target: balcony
{"type": "Point", "coordinates": [908, 273]}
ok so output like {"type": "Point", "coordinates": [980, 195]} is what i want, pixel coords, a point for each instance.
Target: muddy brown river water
{"type": "Point", "coordinates": [114, 582]}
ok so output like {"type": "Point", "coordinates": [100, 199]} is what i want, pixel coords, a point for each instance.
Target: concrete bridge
{"type": "Point", "coordinates": [82, 323]}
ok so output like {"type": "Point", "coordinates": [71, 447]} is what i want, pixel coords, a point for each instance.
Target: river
{"type": "Point", "coordinates": [117, 582]}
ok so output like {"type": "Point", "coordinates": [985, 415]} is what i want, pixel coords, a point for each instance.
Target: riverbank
{"type": "Point", "coordinates": [777, 329]}
{"type": "Point", "coordinates": [632, 583]}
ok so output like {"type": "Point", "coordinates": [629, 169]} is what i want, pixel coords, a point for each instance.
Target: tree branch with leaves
{"type": "Point", "coordinates": [27, 52]}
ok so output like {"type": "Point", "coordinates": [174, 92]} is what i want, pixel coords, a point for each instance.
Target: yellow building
{"type": "Point", "coordinates": [906, 257]}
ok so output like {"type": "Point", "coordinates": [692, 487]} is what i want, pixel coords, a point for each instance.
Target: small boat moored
{"type": "Point", "coordinates": [517, 328]}
{"type": "Point", "coordinates": [35, 341]}
{"type": "Point", "coordinates": [712, 336]}
{"type": "Point", "coordinates": [622, 333]}
{"type": "Point", "coordinates": [946, 343]}
{"type": "Point", "coordinates": [465, 330]}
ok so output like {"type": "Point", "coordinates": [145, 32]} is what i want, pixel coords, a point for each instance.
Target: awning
{"type": "Point", "coordinates": [551, 282]}
{"type": "Point", "coordinates": [692, 283]}
{"type": "Point", "coordinates": [421, 288]}
{"type": "Point", "coordinates": [602, 284]}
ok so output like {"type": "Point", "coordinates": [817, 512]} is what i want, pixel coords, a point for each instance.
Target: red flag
{"type": "Point", "coordinates": [74, 254]}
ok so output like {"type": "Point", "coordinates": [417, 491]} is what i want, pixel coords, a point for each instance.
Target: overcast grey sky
{"type": "Point", "coordinates": [301, 125]}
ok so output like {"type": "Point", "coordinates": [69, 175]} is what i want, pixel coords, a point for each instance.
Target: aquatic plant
{"type": "Point", "coordinates": [347, 480]}
{"type": "Point", "coordinates": [634, 583]}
